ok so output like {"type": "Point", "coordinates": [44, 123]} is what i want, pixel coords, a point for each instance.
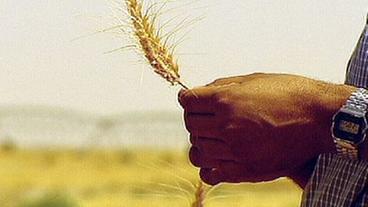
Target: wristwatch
{"type": "Point", "coordinates": [349, 125]}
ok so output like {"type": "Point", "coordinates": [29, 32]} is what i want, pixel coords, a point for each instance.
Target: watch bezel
{"type": "Point", "coordinates": [352, 113]}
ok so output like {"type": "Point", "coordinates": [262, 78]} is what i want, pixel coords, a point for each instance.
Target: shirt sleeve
{"type": "Point", "coordinates": [337, 182]}
{"type": "Point", "coordinates": [357, 70]}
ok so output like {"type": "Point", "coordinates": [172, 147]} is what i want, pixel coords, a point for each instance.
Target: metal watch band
{"type": "Point", "coordinates": [346, 149]}
{"type": "Point", "coordinates": [358, 101]}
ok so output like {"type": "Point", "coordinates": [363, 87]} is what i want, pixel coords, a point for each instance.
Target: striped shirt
{"type": "Point", "coordinates": [357, 71]}
{"type": "Point", "coordinates": [336, 181]}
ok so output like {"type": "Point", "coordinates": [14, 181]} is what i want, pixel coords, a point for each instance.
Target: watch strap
{"type": "Point", "coordinates": [358, 101]}
{"type": "Point", "coordinates": [346, 149]}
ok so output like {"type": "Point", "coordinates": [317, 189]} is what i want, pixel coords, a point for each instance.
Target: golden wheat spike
{"type": "Point", "coordinates": [160, 58]}
{"type": "Point", "coordinates": [156, 53]}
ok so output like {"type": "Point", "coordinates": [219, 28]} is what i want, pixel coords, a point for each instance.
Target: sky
{"type": "Point", "coordinates": [43, 62]}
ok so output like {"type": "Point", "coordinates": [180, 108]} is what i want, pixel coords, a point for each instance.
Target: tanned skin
{"type": "Point", "coordinates": [260, 127]}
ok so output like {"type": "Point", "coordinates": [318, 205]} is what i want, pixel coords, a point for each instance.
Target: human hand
{"type": "Point", "coordinates": [260, 127]}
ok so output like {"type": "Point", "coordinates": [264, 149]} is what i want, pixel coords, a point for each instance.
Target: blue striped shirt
{"type": "Point", "coordinates": [339, 182]}
{"type": "Point", "coordinates": [357, 71]}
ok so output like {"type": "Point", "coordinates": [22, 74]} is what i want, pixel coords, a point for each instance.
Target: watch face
{"type": "Point", "coordinates": [349, 127]}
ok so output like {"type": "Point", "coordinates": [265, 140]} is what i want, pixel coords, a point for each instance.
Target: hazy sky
{"type": "Point", "coordinates": [39, 64]}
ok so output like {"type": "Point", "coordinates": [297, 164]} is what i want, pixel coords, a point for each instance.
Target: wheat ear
{"type": "Point", "coordinates": [156, 52]}
{"type": "Point", "coordinates": [160, 58]}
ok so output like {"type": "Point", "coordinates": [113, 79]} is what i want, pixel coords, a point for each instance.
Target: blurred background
{"type": "Point", "coordinates": [82, 126]}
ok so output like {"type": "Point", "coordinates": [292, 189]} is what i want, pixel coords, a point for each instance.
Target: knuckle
{"type": "Point", "coordinates": [206, 179]}
{"type": "Point", "coordinates": [189, 128]}
{"type": "Point", "coordinates": [193, 139]}
{"type": "Point", "coordinates": [229, 128]}
{"type": "Point", "coordinates": [217, 81]}
{"type": "Point", "coordinates": [194, 157]}
{"type": "Point", "coordinates": [225, 103]}
{"type": "Point", "coordinates": [205, 176]}
{"type": "Point", "coordinates": [201, 145]}
{"type": "Point", "coordinates": [189, 125]}
{"type": "Point", "coordinates": [205, 150]}
{"type": "Point", "coordinates": [221, 100]}
{"type": "Point", "coordinates": [182, 98]}
{"type": "Point", "coordinates": [219, 96]}
{"type": "Point", "coordinates": [257, 74]}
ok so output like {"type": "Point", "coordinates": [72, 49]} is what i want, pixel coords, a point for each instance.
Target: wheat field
{"type": "Point", "coordinates": [121, 178]}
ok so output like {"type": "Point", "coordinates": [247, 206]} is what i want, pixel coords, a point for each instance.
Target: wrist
{"type": "Point", "coordinates": [335, 97]}
{"type": "Point", "coordinates": [330, 100]}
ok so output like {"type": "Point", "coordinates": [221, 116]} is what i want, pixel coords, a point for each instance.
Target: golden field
{"type": "Point", "coordinates": [121, 178]}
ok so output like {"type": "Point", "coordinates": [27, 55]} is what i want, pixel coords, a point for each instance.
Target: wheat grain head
{"type": "Point", "coordinates": [156, 52]}
{"type": "Point", "coordinates": [154, 48]}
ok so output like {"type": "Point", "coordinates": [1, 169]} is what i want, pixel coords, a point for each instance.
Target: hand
{"type": "Point", "coordinates": [260, 127]}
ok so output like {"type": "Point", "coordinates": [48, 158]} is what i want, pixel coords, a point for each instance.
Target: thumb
{"type": "Point", "coordinates": [181, 96]}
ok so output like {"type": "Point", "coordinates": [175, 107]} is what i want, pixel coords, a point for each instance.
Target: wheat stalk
{"type": "Point", "coordinates": [155, 48]}
{"type": "Point", "coordinates": [200, 195]}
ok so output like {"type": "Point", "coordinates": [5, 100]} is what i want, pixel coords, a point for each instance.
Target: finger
{"type": "Point", "coordinates": [214, 133]}
{"type": "Point", "coordinates": [227, 171]}
{"type": "Point", "coordinates": [211, 176]}
{"type": "Point", "coordinates": [214, 149]}
{"type": "Point", "coordinates": [195, 122]}
{"type": "Point", "coordinates": [180, 94]}
{"type": "Point", "coordinates": [234, 172]}
{"type": "Point", "coordinates": [194, 139]}
{"type": "Point", "coordinates": [198, 100]}
{"type": "Point", "coordinates": [198, 160]}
